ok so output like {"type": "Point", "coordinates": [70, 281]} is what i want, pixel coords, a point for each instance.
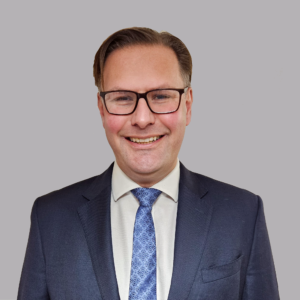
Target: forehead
{"type": "Point", "coordinates": [141, 68]}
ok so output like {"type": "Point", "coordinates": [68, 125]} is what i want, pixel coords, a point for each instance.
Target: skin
{"type": "Point", "coordinates": [140, 69]}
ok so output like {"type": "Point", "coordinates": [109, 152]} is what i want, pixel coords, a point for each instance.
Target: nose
{"type": "Point", "coordinates": [142, 116]}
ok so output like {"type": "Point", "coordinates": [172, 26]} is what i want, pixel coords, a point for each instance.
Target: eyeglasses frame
{"type": "Point", "coordinates": [144, 96]}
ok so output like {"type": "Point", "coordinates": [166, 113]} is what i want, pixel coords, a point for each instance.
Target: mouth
{"type": "Point", "coordinates": [144, 141]}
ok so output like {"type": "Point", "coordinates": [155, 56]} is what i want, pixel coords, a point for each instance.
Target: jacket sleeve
{"type": "Point", "coordinates": [33, 278]}
{"type": "Point", "coordinates": [261, 282]}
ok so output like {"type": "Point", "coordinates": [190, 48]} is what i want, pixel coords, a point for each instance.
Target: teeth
{"type": "Point", "coordinates": [145, 141]}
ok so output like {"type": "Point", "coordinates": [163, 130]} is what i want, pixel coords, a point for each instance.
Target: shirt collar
{"type": "Point", "coordinates": [122, 184]}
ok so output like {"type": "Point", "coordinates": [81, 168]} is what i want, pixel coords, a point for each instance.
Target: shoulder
{"type": "Point", "coordinates": [221, 193]}
{"type": "Point", "coordinates": [222, 188]}
{"type": "Point", "coordinates": [62, 202]}
{"type": "Point", "coordinates": [72, 196]}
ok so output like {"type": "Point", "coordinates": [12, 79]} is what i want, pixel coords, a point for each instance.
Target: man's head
{"type": "Point", "coordinates": [141, 60]}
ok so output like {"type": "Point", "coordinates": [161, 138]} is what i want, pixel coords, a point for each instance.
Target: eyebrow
{"type": "Point", "coordinates": [161, 86]}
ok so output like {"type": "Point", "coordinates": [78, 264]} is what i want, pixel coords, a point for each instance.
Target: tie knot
{"type": "Point", "coordinates": [146, 196]}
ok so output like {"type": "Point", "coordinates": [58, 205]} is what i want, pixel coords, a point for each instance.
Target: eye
{"type": "Point", "coordinates": [160, 96]}
{"type": "Point", "coordinates": [123, 98]}
{"type": "Point", "coordinates": [120, 97]}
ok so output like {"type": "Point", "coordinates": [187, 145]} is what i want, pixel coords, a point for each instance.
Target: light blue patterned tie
{"type": "Point", "coordinates": [143, 264]}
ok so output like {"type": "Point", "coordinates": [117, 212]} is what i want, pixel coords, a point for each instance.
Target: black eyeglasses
{"type": "Point", "coordinates": [160, 101]}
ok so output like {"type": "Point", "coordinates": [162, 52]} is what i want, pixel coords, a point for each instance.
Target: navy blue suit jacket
{"type": "Point", "coordinates": [222, 249]}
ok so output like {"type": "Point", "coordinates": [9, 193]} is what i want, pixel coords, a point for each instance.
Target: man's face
{"type": "Point", "coordinates": [140, 69]}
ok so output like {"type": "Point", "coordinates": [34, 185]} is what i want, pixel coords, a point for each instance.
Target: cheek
{"type": "Point", "coordinates": [113, 125]}
{"type": "Point", "coordinates": [175, 122]}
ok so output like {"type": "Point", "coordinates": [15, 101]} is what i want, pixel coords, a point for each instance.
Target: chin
{"type": "Point", "coordinates": [145, 165]}
{"type": "Point", "coordinates": [144, 168]}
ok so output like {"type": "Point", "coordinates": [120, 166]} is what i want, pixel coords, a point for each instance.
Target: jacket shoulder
{"type": "Point", "coordinates": [63, 199]}
{"type": "Point", "coordinates": [230, 202]}
{"type": "Point", "coordinates": [224, 187]}
{"type": "Point", "coordinates": [220, 192]}
{"type": "Point", "coordinates": [72, 195]}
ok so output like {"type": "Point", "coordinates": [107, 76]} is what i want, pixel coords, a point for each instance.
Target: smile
{"type": "Point", "coordinates": [145, 141]}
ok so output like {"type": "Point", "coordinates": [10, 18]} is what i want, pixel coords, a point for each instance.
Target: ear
{"type": "Point", "coordinates": [101, 107]}
{"type": "Point", "coordinates": [188, 104]}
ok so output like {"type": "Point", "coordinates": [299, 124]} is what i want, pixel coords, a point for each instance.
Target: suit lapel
{"type": "Point", "coordinates": [95, 219]}
{"type": "Point", "coordinates": [193, 219]}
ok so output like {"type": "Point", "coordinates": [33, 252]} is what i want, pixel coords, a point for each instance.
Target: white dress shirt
{"type": "Point", "coordinates": [123, 211]}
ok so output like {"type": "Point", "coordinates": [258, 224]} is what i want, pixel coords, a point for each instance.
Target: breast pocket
{"type": "Point", "coordinates": [220, 272]}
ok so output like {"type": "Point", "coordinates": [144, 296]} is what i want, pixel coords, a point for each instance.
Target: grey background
{"type": "Point", "coordinates": [245, 125]}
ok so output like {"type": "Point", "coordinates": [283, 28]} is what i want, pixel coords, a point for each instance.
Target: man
{"type": "Point", "coordinates": [147, 228]}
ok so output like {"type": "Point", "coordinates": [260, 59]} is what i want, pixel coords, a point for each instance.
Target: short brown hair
{"type": "Point", "coordinates": [142, 36]}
